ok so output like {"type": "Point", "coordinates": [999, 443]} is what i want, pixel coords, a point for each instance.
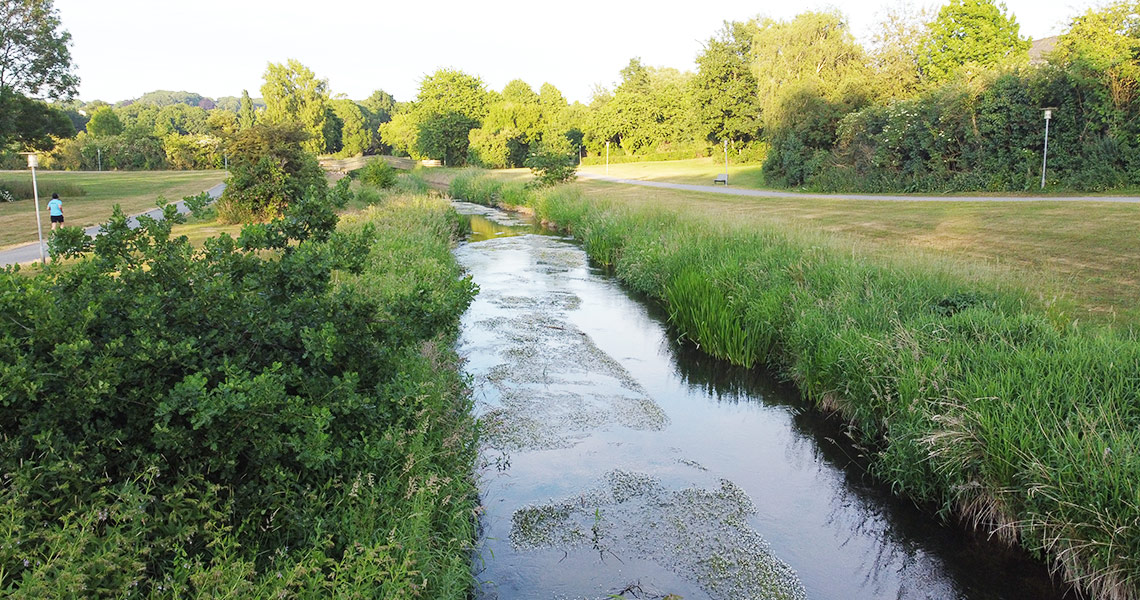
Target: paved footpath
{"type": "Point", "coordinates": [30, 252]}
{"type": "Point", "coordinates": [732, 191]}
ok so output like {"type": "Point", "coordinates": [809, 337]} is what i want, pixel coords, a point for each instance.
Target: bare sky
{"type": "Point", "coordinates": [125, 48]}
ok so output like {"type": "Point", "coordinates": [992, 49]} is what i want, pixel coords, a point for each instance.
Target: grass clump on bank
{"type": "Point", "coordinates": [969, 394]}
{"type": "Point", "coordinates": [274, 416]}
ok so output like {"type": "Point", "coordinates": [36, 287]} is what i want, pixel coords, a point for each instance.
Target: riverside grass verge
{"type": "Point", "coordinates": [326, 453]}
{"type": "Point", "coordinates": [967, 392]}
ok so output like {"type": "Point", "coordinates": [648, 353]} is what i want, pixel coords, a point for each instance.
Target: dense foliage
{"type": "Point", "coordinates": [272, 415]}
{"type": "Point", "coordinates": [35, 62]}
{"type": "Point", "coordinates": [965, 392]}
{"type": "Point", "coordinates": [269, 169]}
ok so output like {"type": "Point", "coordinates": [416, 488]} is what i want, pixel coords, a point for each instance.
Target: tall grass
{"type": "Point", "coordinates": [972, 395]}
{"type": "Point", "coordinates": [20, 188]}
{"type": "Point", "coordinates": [471, 186]}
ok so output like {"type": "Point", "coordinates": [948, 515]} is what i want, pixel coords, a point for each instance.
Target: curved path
{"type": "Point", "coordinates": [30, 252]}
{"type": "Point", "coordinates": [882, 197]}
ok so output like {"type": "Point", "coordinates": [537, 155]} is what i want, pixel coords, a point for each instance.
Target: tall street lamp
{"type": "Point", "coordinates": [33, 162]}
{"type": "Point", "coordinates": [1045, 152]}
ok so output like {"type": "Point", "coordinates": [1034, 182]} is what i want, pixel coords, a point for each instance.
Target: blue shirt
{"type": "Point", "coordinates": [55, 207]}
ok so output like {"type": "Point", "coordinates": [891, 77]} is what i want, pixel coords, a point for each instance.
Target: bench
{"type": "Point", "coordinates": [722, 178]}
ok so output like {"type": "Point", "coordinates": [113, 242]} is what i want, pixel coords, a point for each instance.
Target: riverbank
{"type": "Point", "coordinates": [969, 392]}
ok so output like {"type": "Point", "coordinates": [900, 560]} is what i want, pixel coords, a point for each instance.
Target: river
{"type": "Point", "coordinates": [619, 462]}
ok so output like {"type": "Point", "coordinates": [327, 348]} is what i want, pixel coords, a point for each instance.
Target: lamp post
{"type": "Point", "coordinates": [33, 162]}
{"type": "Point", "coordinates": [1045, 152]}
{"type": "Point", "coordinates": [725, 162]}
{"type": "Point", "coordinates": [607, 157]}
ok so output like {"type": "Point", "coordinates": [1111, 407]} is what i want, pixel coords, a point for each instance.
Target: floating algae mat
{"type": "Point", "coordinates": [616, 463]}
{"type": "Point", "coordinates": [700, 533]}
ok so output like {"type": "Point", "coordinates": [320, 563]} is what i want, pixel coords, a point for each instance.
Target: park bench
{"type": "Point", "coordinates": [722, 178]}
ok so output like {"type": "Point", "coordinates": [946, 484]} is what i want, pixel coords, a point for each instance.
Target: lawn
{"type": "Point", "coordinates": [696, 171]}
{"type": "Point", "coordinates": [135, 191]}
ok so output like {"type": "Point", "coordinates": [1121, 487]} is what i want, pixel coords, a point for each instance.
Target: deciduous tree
{"type": "Point", "coordinates": [34, 56]}
{"type": "Point", "coordinates": [971, 35]}
{"type": "Point", "coordinates": [724, 90]}
{"type": "Point", "coordinates": [293, 94]}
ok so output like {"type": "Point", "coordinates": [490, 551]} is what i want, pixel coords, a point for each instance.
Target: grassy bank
{"type": "Point", "coordinates": [970, 392]}
{"type": "Point", "coordinates": [134, 191]}
{"type": "Point", "coordinates": [260, 423]}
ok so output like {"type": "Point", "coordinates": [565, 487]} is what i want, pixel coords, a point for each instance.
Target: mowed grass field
{"type": "Point", "coordinates": [1081, 257]}
{"type": "Point", "coordinates": [135, 191]}
{"type": "Point", "coordinates": [696, 171]}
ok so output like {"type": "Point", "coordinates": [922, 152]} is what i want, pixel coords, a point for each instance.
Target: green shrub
{"type": "Point", "coordinates": [268, 171]}
{"type": "Point", "coordinates": [377, 173]}
{"type": "Point", "coordinates": [276, 414]}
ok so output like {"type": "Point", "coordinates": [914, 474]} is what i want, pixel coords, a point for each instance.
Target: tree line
{"type": "Point", "coordinates": [946, 100]}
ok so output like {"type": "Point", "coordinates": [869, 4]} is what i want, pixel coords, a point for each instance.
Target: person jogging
{"type": "Point", "coordinates": [55, 208]}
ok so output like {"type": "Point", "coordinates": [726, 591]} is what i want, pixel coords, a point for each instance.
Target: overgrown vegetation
{"type": "Point", "coordinates": [278, 415]}
{"type": "Point", "coordinates": [967, 394]}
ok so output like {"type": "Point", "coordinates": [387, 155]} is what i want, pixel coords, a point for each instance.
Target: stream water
{"type": "Point", "coordinates": [617, 462]}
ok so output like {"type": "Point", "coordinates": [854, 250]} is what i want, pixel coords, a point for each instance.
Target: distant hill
{"type": "Point", "coordinates": [168, 98]}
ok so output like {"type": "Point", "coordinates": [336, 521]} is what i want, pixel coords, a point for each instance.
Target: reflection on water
{"type": "Point", "coordinates": [619, 462]}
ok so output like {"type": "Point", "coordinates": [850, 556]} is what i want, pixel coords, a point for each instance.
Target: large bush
{"type": "Point", "coordinates": [178, 423]}
{"type": "Point", "coordinates": [268, 170]}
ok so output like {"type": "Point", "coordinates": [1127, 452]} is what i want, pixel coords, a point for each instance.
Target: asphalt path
{"type": "Point", "coordinates": [732, 191]}
{"type": "Point", "coordinates": [30, 252]}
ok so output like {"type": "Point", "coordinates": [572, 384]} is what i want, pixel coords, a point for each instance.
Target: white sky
{"type": "Point", "coordinates": [125, 48]}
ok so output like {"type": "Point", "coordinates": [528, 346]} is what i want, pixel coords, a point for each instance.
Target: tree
{"type": "Point", "coordinates": [724, 90]}
{"type": "Point", "coordinates": [649, 109]}
{"type": "Point", "coordinates": [378, 109]}
{"type": "Point", "coordinates": [968, 35]}
{"type": "Point", "coordinates": [1102, 49]}
{"type": "Point", "coordinates": [449, 105]}
{"type": "Point", "coordinates": [355, 136]}
{"type": "Point", "coordinates": [815, 48]}
{"type": "Point", "coordinates": [381, 104]}
{"type": "Point", "coordinates": [269, 169]}
{"type": "Point", "coordinates": [895, 51]}
{"type": "Point", "coordinates": [34, 54]}
{"type": "Point", "coordinates": [247, 113]}
{"type": "Point", "coordinates": [450, 90]}
{"type": "Point", "coordinates": [445, 136]}
{"type": "Point", "coordinates": [293, 94]}
{"type": "Point", "coordinates": [31, 123]}
{"type": "Point", "coordinates": [104, 123]}
{"type": "Point", "coordinates": [221, 123]}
